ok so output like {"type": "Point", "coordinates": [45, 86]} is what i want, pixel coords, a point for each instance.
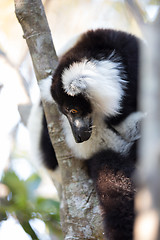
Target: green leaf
{"type": "Point", "coordinates": [17, 187]}
{"type": "Point", "coordinates": [25, 205]}
{"type": "Point", "coordinates": [28, 229]}
{"type": "Point", "coordinates": [47, 205]}
{"type": "Point", "coordinates": [3, 215]}
{"type": "Point", "coordinates": [32, 183]}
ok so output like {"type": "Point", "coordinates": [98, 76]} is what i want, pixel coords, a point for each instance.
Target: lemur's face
{"type": "Point", "coordinates": [81, 125]}
{"type": "Point", "coordinates": [79, 114]}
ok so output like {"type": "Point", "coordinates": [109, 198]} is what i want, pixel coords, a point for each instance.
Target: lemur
{"type": "Point", "coordinates": [95, 89]}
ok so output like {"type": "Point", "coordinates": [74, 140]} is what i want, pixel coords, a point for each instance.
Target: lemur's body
{"type": "Point", "coordinates": [95, 88]}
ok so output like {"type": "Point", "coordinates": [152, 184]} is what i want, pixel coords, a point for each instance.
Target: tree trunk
{"type": "Point", "coordinates": [80, 214]}
{"type": "Point", "coordinates": [147, 206]}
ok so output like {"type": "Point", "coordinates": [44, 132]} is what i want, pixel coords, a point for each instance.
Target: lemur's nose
{"type": "Point", "coordinates": [82, 136]}
{"type": "Point", "coordinates": [81, 128]}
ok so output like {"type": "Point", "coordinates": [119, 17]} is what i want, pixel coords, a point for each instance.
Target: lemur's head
{"type": "Point", "coordinates": [88, 82]}
{"type": "Point", "coordinates": [78, 111]}
{"type": "Point", "coordinates": [85, 89]}
{"type": "Point", "coordinates": [75, 106]}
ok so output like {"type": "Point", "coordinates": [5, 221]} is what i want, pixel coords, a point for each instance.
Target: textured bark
{"type": "Point", "coordinates": [80, 212]}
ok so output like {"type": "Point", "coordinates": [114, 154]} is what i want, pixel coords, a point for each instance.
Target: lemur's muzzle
{"type": "Point", "coordinates": [81, 128]}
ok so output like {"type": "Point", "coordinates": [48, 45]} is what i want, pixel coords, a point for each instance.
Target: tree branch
{"type": "Point", "coordinates": [149, 175]}
{"type": "Point", "coordinates": [147, 224]}
{"type": "Point", "coordinates": [157, 20]}
{"type": "Point", "coordinates": [137, 13]}
{"type": "Point", "coordinates": [80, 215]}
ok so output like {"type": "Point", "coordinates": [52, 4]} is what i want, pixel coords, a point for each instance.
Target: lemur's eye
{"type": "Point", "coordinates": [73, 111]}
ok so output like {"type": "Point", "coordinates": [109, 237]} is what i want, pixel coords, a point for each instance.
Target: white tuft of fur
{"type": "Point", "coordinates": [100, 81]}
{"type": "Point", "coordinates": [45, 89]}
{"type": "Point", "coordinates": [130, 128]}
{"type": "Point", "coordinates": [35, 127]}
{"type": "Point", "coordinates": [102, 138]}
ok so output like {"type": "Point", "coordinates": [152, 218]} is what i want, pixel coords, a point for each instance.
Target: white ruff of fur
{"type": "Point", "coordinates": [35, 129]}
{"type": "Point", "coordinates": [100, 81]}
{"type": "Point", "coordinates": [130, 128]}
{"type": "Point", "coordinates": [35, 126]}
{"type": "Point", "coordinates": [45, 86]}
{"type": "Point", "coordinates": [102, 138]}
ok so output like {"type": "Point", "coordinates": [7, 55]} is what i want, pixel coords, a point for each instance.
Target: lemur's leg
{"type": "Point", "coordinates": [112, 176]}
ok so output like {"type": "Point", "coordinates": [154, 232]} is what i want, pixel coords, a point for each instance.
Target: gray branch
{"type": "Point", "coordinates": [147, 224]}
{"type": "Point", "coordinates": [137, 13]}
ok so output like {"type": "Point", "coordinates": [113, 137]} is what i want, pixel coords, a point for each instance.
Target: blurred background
{"type": "Point", "coordinates": [29, 206]}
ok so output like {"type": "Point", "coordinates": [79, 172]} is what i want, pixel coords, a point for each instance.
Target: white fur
{"type": "Point", "coordinates": [99, 80]}
{"type": "Point", "coordinates": [130, 128]}
{"type": "Point", "coordinates": [45, 86]}
{"type": "Point", "coordinates": [101, 138]}
{"type": "Point", "coordinates": [35, 127]}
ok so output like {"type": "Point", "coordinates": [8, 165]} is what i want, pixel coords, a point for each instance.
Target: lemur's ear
{"type": "Point", "coordinates": [45, 89]}
{"type": "Point", "coordinates": [74, 78]}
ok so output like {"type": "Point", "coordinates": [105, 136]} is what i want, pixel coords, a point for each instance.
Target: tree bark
{"type": "Point", "coordinates": [80, 214]}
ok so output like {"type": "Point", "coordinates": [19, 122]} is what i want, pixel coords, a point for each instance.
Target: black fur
{"type": "Point", "coordinates": [112, 175]}
{"type": "Point", "coordinates": [98, 45]}
{"type": "Point", "coordinates": [47, 151]}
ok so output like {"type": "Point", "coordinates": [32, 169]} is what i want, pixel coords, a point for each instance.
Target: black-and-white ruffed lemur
{"type": "Point", "coordinates": [95, 88]}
